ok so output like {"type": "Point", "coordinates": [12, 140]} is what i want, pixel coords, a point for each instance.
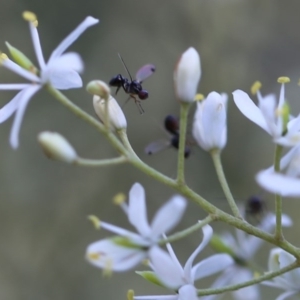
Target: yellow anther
{"type": "Point", "coordinates": [283, 79]}
{"type": "Point", "coordinates": [199, 97]}
{"type": "Point", "coordinates": [96, 222]}
{"type": "Point", "coordinates": [256, 86]}
{"type": "Point", "coordinates": [107, 271]}
{"type": "Point", "coordinates": [30, 17]}
{"type": "Point", "coordinates": [119, 199]}
{"type": "Point", "coordinates": [130, 295]}
{"type": "Point", "coordinates": [3, 57]}
{"type": "Point", "coordinates": [256, 274]}
{"type": "Point", "coordinates": [93, 256]}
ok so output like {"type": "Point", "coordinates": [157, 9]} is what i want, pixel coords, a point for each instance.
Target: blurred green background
{"type": "Point", "coordinates": [44, 204]}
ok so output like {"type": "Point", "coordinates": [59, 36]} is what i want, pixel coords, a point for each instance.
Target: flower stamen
{"type": "Point", "coordinates": [96, 221]}
{"type": "Point", "coordinates": [199, 97]}
{"type": "Point", "coordinates": [30, 17]}
{"type": "Point", "coordinates": [256, 86]}
{"type": "Point", "coordinates": [283, 79]}
{"type": "Point", "coordinates": [119, 199]}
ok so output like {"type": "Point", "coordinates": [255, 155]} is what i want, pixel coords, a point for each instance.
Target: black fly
{"type": "Point", "coordinates": [133, 87]}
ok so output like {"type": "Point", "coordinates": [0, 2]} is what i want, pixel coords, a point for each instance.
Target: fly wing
{"type": "Point", "coordinates": [144, 72]}
{"type": "Point", "coordinates": [157, 146]}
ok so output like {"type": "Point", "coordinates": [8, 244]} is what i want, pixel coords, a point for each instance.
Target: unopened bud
{"type": "Point", "coordinates": [117, 118]}
{"type": "Point", "coordinates": [187, 75]}
{"type": "Point", "coordinates": [21, 59]}
{"type": "Point", "coordinates": [99, 88]}
{"type": "Point", "coordinates": [56, 147]}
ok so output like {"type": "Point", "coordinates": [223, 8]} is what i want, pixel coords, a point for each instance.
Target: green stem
{"type": "Point", "coordinates": [184, 233]}
{"type": "Point", "coordinates": [87, 118]}
{"type": "Point", "coordinates": [235, 287]}
{"type": "Point", "coordinates": [216, 157]}
{"type": "Point", "coordinates": [84, 162]}
{"type": "Point", "coordinates": [128, 152]}
{"type": "Point", "coordinates": [278, 199]}
{"type": "Point", "coordinates": [184, 110]}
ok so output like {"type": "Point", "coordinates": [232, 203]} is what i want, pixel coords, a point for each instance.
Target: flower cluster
{"type": "Point", "coordinates": [126, 249]}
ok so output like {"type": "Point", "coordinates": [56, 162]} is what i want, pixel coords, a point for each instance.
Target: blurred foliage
{"type": "Point", "coordinates": [44, 204]}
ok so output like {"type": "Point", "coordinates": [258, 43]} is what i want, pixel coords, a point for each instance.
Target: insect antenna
{"type": "Point", "coordinates": [124, 65]}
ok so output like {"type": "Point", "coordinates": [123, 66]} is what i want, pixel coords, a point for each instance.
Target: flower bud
{"type": "Point", "coordinates": [117, 119]}
{"type": "Point", "coordinates": [98, 87]}
{"type": "Point", "coordinates": [21, 59]}
{"type": "Point", "coordinates": [56, 147]}
{"type": "Point", "coordinates": [187, 75]}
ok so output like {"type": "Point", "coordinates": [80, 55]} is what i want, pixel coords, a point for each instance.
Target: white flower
{"type": "Point", "coordinates": [269, 115]}
{"type": "Point", "coordinates": [171, 274]}
{"type": "Point", "coordinates": [57, 147]}
{"type": "Point", "coordinates": [287, 182]}
{"type": "Point", "coordinates": [210, 129]}
{"type": "Point", "coordinates": [127, 250]}
{"type": "Point", "coordinates": [117, 118]}
{"type": "Point", "coordinates": [61, 71]}
{"type": "Point", "coordinates": [187, 75]}
{"type": "Point", "coordinates": [243, 248]}
{"type": "Point", "coordinates": [289, 281]}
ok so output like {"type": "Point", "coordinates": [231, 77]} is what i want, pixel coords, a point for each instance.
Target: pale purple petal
{"type": "Point", "coordinates": [12, 66]}
{"type": "Point", "coordinates": [249, 109]}
{"type": "Point", "coordinates": [207, 234]}
{"type": "Point", "coordinates": [165, 268]}
{"type": "Point", "coordinates": [187, 292]}
{"type": "Point", "coordinates": [23, 101]}
{"type": "Point", "coordinates": [279, 184]}
{"type": "Point", "coordinates": [7, 110]}
{"type": "Point", "coordinates": [14, 86]}
{"type": "Point", "coordinates": [137, 210]}
{"type": "Point", "coordinates": [106, 254]}
{"type": "Point", "coordinates": [72, 37]}
{"type": "Point", "coordinates": [211, 265]}
{"type": "Point", "coordinates": [174, 257]}
{"type": "Point", "coordinates": [287, 295]}
{"type": "Point", "coordinates": [135, 238]}
{"type": "Point", "coordinates": [64, 79]}
{"type": "Point", "coordinates": [168, 216]}
{"type": "Point", "coordinates": [247, 293]}
{"type": "Point", "coordinates": [37, 45]}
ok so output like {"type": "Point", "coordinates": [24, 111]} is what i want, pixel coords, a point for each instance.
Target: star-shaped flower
{"type": "Point", "coordinates": [61, 71]}
{"type": "Point", "coordinates": [128, 248]}
{"type": "Point", "coordinates": [169, 272]}
{"type": "Point", "coordinates": [289, 281]}
{"type": "Point", "coordinates": [243, 248]}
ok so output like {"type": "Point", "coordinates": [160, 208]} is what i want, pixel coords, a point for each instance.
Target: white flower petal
{"type": "Point", "coordinates": [37, 45]}
{"type": "Point", "coordinates": [187, 75]}
{"type": "Point", "coordinates": [286, 295]}
{"type": "Point", "coordinates": [22, 104]}
{"type": "Point", "coordinates": [137, 210]}
{"type": "Point", "coordinates": [211, 265]}
{"type": "Point", "coordinates": [187, 292]}
{"type": "Point", "coordinates": [70, 60]}
{"type": "Point", "coordinates": [279, 184]}
{"type": "Point", "coordinates": [106, 254]}
{"type": "Point", "coordinates": [249, 109]}
{"type": "Point", "coordinates": [7, 110]}
{"type": "Point", "coordinates": [73, 36]}
{"type": "Point", "coordinates": [168, 216]}
{"type": "Point", "coordinates": [12, 66]}
{"type": "Point", "coordinates": [174, 257]}
{"type": "Point", "coordinates": [14, 86]}
{"type": "Point", "coordinates": [247, 293]}
{"type": "Point", "coordinates": [64, 79]}
{"type": "Point", "coordinates": [165, 268]}
{"type": "Point", "coordinates": [207, 234]}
